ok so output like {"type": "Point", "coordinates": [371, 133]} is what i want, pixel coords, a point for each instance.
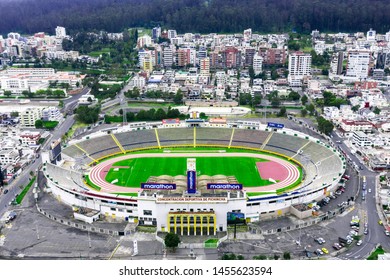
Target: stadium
{"type": "Point", "coordinates": [189, 176]}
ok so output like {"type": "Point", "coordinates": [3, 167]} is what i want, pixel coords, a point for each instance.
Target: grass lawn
{"type": "Point", "coordinates": [140, 169]}
{"type": "Point", "coordinates": [92, 185]}
{"type": "Point", "coordinates": [98, 53]}
{"type": "Point", "coordinates": [374, 255]}
{"type": "Point", "coordinates": [211, 243]}
{"type": "Point", "coordinates": [20, 197]}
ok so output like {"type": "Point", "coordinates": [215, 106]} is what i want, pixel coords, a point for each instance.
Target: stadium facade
{"type": "Point", "coordinates": [201, 212]}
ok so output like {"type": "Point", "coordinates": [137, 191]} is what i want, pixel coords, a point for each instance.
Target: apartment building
{"type": "Point", "coordinates": [299, 66]}
{"type": "Point", "coordinates": [358, 65]}
{"type": "Point", "coordinates": [30, 116]}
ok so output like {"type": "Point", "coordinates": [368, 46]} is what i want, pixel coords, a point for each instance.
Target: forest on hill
{"type": "Point", "coordinates": [203, 16]}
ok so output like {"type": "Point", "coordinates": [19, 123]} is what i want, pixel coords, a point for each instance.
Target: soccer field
{"type": "Point", "coordinates": [133, 172]}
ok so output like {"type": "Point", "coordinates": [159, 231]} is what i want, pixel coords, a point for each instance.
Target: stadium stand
{"type": "Point", "coordinates": [317, 154]}
{"type": "Point", "coordinates": [211, 136]}
{"type": "Point", "coordinates": [65, 177]}
{"type": "Point", "coordinates": [316, 158]}
{"type": "Point", "coordinates": [137, 139]}
{"type": "Point", "coordinates": [287, 142]}
{"type": "Point", "coordinates": [249, 138]}
{"type": "Point", "coordinates": [95, 147]}
{"type": "Point", "coordinates": [73, 151]}
{"type": "Point", "coordinates": [176, 136]}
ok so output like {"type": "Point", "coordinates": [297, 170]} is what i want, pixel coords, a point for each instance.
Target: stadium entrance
{"type": "Point", "coordinates": [192, 223]}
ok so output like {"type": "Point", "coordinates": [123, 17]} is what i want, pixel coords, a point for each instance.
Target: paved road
{"type": "Point", "coordinates": [71, 103]}
{"type": "Point", "coordinates": [376, 233]}
{"type": "Point", "coordinates": [23, 179]}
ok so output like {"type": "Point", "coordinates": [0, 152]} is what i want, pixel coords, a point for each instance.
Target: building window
{"type": "Point", "coordinates": [148, 212]}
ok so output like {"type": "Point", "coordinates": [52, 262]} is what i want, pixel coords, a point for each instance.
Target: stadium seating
{"type": "Point", "coordinates": [137, 139]}
{"type": "Point", "coordinates": [287, 142]}
{"type": "Point", "coordinates": [249, 138]}
{"type": "Point", "coordinates": [317, 152]}
{"type": "Point", "coordinates": [96, 147]}
{"type": "Point", "coordinates": [73, 151]}
{"type": "Point", "coordinates": [321, 164]}
{"type": "Point", "coordinates": [65, 177]}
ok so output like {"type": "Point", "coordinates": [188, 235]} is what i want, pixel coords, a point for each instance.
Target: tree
{"type": "Point", "coordinates": [303, 112]}
{"type": "Point", "coordinates": [88, 115]}
{"type": "Point", "coordinates": [25, 93]}
{"type": "Point", "coordinates": [230, 256]}
{"type": "Point", "coordinates": [171, 241]}
{"type": "Point", "coordinates": [275, 101]}
{"type": "Point", "coordinates": [160, 114]}
{"type": "Point", "coordinates": [257, 100]}
{"type": "Point", "coordinates": [377, 110]}
{"type": "Point", "coordinates": [178, 99]}
{"type": "Point", "coordinates": [304, 99]}
{"type": "Point", "coordinates": [260, 257]}
{"type": "Point", "coordinates": [310, 107]}
{"type": "Point", "coordinates": [282, 112]}
{"type": "Point", "coordinates": [286, 256]}
{"type": "Point", "coordinates": [325, 126]}
{"type": "Point", "coordinates": [202, 115]}
{"type": "Point", "coordinates": [355, 108]}
{"type": "Point", "coordinates": [38, 124]}
{"type": "Point", "coordinates": [7, 93]}
{"type": "Point", "coordinates": [294, 96]}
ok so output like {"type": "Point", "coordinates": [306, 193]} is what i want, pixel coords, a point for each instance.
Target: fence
{"type": "Point", "coordinates": [81, 226]}
{"type": "Point", "coordinates": [254, 229]}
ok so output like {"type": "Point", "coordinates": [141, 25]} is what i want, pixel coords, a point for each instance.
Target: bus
{"type": "Point", "coordinates": [364, 182]}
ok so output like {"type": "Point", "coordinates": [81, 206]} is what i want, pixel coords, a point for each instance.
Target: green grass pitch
{"type": "Point", "coordinates": [140, 169]}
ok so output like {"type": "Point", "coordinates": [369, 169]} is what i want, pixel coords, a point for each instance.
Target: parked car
{"type": "Point", "coordinates": [5, 191]}
{"type": "Point", "coordinates": [337, 246]}
{"type": "Point", "coordinates": [387, 232]}
{"type": "Point", "coordinates": [353, 233]}
{"type": "Point", "coordinates": [366, 231]}
{"type": "Point", "coordinates": [325, 250]}
{"type": "Point", "coordinates": [319, 240]}
{"type": "Point", "coordinates": [319, 252]}
{"type": "Point", "coordinates": [11, 216]}
{"type": "Point", "coordinates": [359, 242]}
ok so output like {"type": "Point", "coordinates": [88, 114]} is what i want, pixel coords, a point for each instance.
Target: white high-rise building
{"type": "Point", "coordinates": [257, 64]}
{"type": "Point", "coordinates": [299, 66]}
{"type": "Point", "coordinates": [51, 114]}
{"type": "Point", "coordinates": [60, 32]}
{"type": "Point", "coordinates": [371, 35]}
{"type": "Point", "coordinates": [388, 36]}
{"type": "Point", "coordinates": [358, 64]}
{"type": "Point", "coordinates": [30, 116]}
{"type": "Point", "coordinates": [168, 57]}
{"type": "Point", "coordinates": [172, 33]}
{"type": "Point", "coordinates": [247, 34]}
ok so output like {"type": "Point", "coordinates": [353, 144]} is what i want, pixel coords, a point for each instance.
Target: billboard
{"type": "Point", "coordinates": [157, 186]}
{"type": "Point", "coordinates": [191, 181]}
{"type": "Point", "coordinates": [234, 218]}
{"type": "Point", "coordinates": [275, 125]}
{"type": "Point", "coordinates": [224, 186]}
